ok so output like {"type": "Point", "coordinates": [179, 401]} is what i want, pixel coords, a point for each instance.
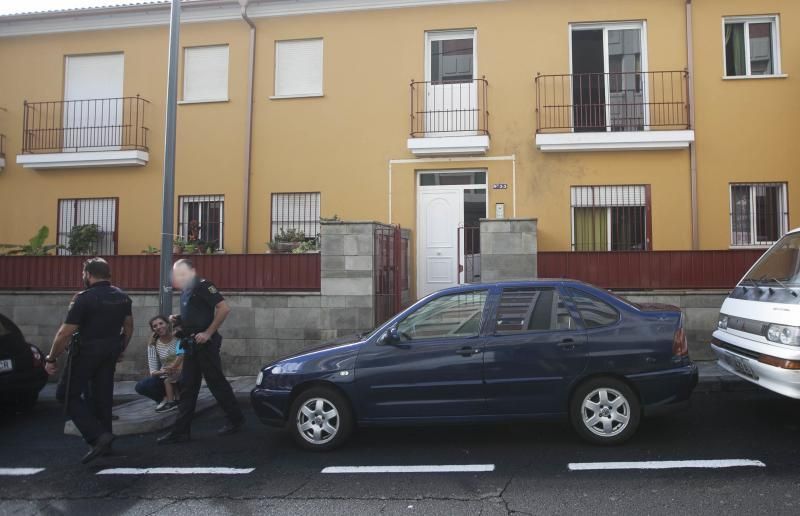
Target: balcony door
{"type": "Point", "coordinates": [609, 87]}
{"type": "Point", "coordinates": [93, 113]}
{"type": "Point", "coordinates": [451, 95]}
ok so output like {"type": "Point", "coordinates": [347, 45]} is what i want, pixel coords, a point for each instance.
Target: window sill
{"type": "Point", "coordinates": [756, 77]}
{"type": "Point", "coordinates": [304, 96]}
{"type": "Point", "coordinates": [745, 247]}
{"type": "Point", "coordinates": [203, 101]}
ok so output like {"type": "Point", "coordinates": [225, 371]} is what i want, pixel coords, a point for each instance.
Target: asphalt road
{"type": "Point", "coordinates": [530, 476]}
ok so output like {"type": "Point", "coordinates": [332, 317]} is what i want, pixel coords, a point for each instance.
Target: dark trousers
{"type": "Point", "coordinates": [204, 361]}
{"type": "Point", "coordinates": [152, 387]}
{"type": "Point", "coordinates": [91, 393]}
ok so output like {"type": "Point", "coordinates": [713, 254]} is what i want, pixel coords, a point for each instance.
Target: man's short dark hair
{"type": "Point", "coordinates": [97, 268]}
{"type": "Point", "coordinates": [185, 261]}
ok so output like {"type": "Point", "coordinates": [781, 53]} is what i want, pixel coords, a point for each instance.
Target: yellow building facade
{"type": "Point", "coordinates": [606, 120]}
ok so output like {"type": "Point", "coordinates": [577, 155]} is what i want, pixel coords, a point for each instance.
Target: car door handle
{"type": "Point", "coordinates": [467, 351]}
{"type": "Point", "coordinates": [566, 344]}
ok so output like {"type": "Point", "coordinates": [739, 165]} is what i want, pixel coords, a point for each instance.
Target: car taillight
{"type": "Point", "coordinates": [680, 346]}
{"type": "Point", "coordinates": [37, 357]}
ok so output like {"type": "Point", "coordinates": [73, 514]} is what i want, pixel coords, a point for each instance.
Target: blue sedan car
{"type": "Point", "coordinates": [489, 352]}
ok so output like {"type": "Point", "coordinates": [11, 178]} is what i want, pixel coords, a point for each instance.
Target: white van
{"type": "Point", "coordinates": [758, 333]}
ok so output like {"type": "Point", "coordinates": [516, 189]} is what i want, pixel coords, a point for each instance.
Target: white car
{"type": "Point", "coordinates": [758, 333]}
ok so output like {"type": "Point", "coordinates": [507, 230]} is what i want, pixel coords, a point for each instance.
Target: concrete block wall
{"type": "Point", "coordinates": [508, 249]}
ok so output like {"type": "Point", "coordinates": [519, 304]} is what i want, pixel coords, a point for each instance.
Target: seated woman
{"type": "Point", "coordinates": [165, 360]}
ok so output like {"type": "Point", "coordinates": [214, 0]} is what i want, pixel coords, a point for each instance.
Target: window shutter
{"type": "Point", "coordinates": [205, 73]}
{"type": "Point", "coordinates": [298, 67]}
{"type": "Point", "coordinates": [592, 196]}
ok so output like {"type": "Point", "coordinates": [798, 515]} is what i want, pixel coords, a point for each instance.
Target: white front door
{"type": "Point", "coordinates": [440, 213]}
{"type": "Point", "coordinates": [93, 107]}
{"type": "Point", "coordinates": [451, 94]}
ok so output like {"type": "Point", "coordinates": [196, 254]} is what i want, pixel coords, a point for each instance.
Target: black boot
{"type": "Point", "coordinates": [173, 438]}
{"type": "Point", "coordinates": [102, 446]}
{"type": "Point", "coordinates": [231, 428]}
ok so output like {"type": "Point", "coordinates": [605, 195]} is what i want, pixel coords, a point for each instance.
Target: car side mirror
{"type": "Point", "coordinates": [392, 336]}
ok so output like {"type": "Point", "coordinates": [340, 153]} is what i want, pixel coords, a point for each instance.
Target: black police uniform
{"type": "Point", "coordinates": [198, 305]}
{"type": "Point", "coordinates": [99, 313]}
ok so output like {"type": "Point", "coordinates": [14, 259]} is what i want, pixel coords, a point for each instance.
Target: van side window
{"type": "Point", "coordinates": [594, 312]}
{"type": "Point", "coordinates": [532, 309]}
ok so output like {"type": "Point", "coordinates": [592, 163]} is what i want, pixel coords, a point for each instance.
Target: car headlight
{"type": "Point", "coordinates": [789, 335]}
{"type": "Point", "coordinates": [259, 378]}
{"type": "Point", "coordinates": [722, 324]}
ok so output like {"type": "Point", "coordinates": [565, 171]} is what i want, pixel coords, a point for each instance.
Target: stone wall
{"type": "Point", "coordinates": [508, 249]}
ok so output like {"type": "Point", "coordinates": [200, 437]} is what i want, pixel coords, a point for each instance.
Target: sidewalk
{"type": "Point", "coordinates": [137, 414]}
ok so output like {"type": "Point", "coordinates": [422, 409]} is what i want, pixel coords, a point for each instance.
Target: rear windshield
{"type": "Point", "coordinates": [779, 265]}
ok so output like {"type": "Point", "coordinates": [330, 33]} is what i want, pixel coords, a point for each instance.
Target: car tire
{"type": "Point", "coordinates": [605, 411]}
{"type": "Point", "coordinates": [320, 419]}
{"type": "Point", "coordinates": [26, 402]}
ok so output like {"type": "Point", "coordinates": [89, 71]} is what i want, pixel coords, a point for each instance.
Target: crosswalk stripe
{"type": "Point", "coordinates": [19, 472]}
{"type": "Point", "coordinates": [176, 471]}
{"type": "Point", "coordinates": [451, 468]}
{"type": "Point", "coordinates": [666, 464]}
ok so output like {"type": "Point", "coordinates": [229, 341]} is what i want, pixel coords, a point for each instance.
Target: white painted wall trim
{"type": "Point", "coordinates": [614, 141]}
{"type": "Point", "coordinates": [127, 158]}
{"type": "Point", "coordinates": [449, 146]}
{"type": "Point", "coordinates": [158, 14]}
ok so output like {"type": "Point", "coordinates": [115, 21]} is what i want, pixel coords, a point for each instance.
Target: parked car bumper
{"type": "Point", "coordinates": [665, 391]}
{"type": "Point", "coordinates": [271, 406]}
{"type": "Point", "coordinates": [776, 379]}
{"type": "Point", "coordinates": [25, 382]}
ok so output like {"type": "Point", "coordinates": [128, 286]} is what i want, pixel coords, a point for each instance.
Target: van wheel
{"type": "Point", "coordinates": [605, 411]}
{"type": "Point", "coordinates": [320, 419]}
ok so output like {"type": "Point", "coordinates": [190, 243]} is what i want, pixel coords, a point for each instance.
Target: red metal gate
{"type": "Point", "coordinates": [390, 269]}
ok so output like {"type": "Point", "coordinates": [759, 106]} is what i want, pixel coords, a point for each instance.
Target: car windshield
{"type": "Point", "coordinates": [780, 266]}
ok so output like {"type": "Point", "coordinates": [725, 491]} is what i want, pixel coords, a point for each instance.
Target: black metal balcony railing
{"type": "Point", "coordinates": [623, 101]}
{"type": "Point", "coordinates": [85, 125]}
{"type": "Point", "coordinates": [442, 108]}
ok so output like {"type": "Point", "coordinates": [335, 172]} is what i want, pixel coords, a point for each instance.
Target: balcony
{"type": "Point", "coordinates": [613, 111]}
{"type": "Point", "coordinates": [107, 132]}
{"type": "Point", "coordinates": [449, 118]}
{"type": "Point", "coordinates": [2, 151]}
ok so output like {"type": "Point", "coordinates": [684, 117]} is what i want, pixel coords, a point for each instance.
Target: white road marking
{"type": "Point", "coordinates": [666, 464]}
{"type": "Point", "coordinates": [176, 471]}
{"type": "Point", "coordinates": [19, 472]}
{"type": "Point", "coordinates": [451, 468]}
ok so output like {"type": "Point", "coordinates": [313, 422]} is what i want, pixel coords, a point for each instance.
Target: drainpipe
{"type": "Point", "coordinates": [692, 145]}
{"type": "Point", "coordinates": [248, 145]}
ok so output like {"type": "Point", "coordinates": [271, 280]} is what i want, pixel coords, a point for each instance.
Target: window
{"type": "Point", "coordinates": [751, 46]}
{"type": "Point", "coordinates": [201, 221]}
{"type": "Point", "coordinates": [451, 56]}
{"type": "Point", "coordinates": [298, 68]}
{"type": "Point", "coordinates": [205, 73]}
{"type": "Point", "coordinates": [532, 309]}
{"type": "Point", "coordinates": [296, 211]}
{"type": "Point", "coordinates": [454, 315]}
{"type": "Point", "coordinates": [759, 213]}
{"type": "Point", "coordinates": [611, 218]}
{"type": "Point", "coordinates": [594, 312]}
{"type": "Point", "coordinates": [87, 226]}
{"type": "Point", "coordinates": [608, 90]}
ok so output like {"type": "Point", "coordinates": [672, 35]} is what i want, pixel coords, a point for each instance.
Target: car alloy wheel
{"type": "Point", "coordinates": [318, 421]}
{"type": "Point", "coordinates": [605, 412]}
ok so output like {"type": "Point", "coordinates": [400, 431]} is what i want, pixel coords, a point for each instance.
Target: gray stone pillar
{"type": "Point", "coordinates": [508, 249]}
{"type": "Point", "coordinates": [347, 289]}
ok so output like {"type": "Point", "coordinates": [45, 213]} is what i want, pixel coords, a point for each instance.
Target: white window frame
{"type": "Point", "coordinates": [447, 35]}
{"type": "Point", "coordinates": [573, 190]}
{"type": "Point", "coordinates": [605, 27]}
{"type": "Point", "coordinates": [199, 100]}
{"type": "Point", "coordinates": [276, 68]}
{"type": "Point", "coordinates": [184, 199]}
{"type": "Point", "coordinates": [783, 214]}
{"type": "Point", "coordinates": [773, 19]}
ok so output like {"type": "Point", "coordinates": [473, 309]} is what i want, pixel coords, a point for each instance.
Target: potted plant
{"type": "Point", "coordinates": [151, 250]}
{"type": "Point", "coordinates": [178, 245]}
{"type": "Point", "coordinates": [35, 247]}
{"type": "Point", "coordinates": [286, 241]}
{"type": "Point", "coordinates": [83, 239]}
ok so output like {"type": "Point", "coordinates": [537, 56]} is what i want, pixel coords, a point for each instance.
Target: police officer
{"type": "Point", "coordinates": [203, 310]}
{"type": "Point", "coordinates": [101, 315]}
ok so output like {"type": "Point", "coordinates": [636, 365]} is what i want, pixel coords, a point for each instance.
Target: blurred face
{"type": "Point", "coordinates": [182, 275]}
{"type": "Point", "coordinates": [160, 328]}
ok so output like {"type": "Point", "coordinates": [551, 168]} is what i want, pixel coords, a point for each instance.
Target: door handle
{"type": "Point", "coordinates": [467, 351]}
{"type": "Point", "coordinates": [567, 344]}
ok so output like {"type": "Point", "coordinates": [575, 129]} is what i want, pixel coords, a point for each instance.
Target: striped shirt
{"type": "Point", "coordinates": [161, 354]}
